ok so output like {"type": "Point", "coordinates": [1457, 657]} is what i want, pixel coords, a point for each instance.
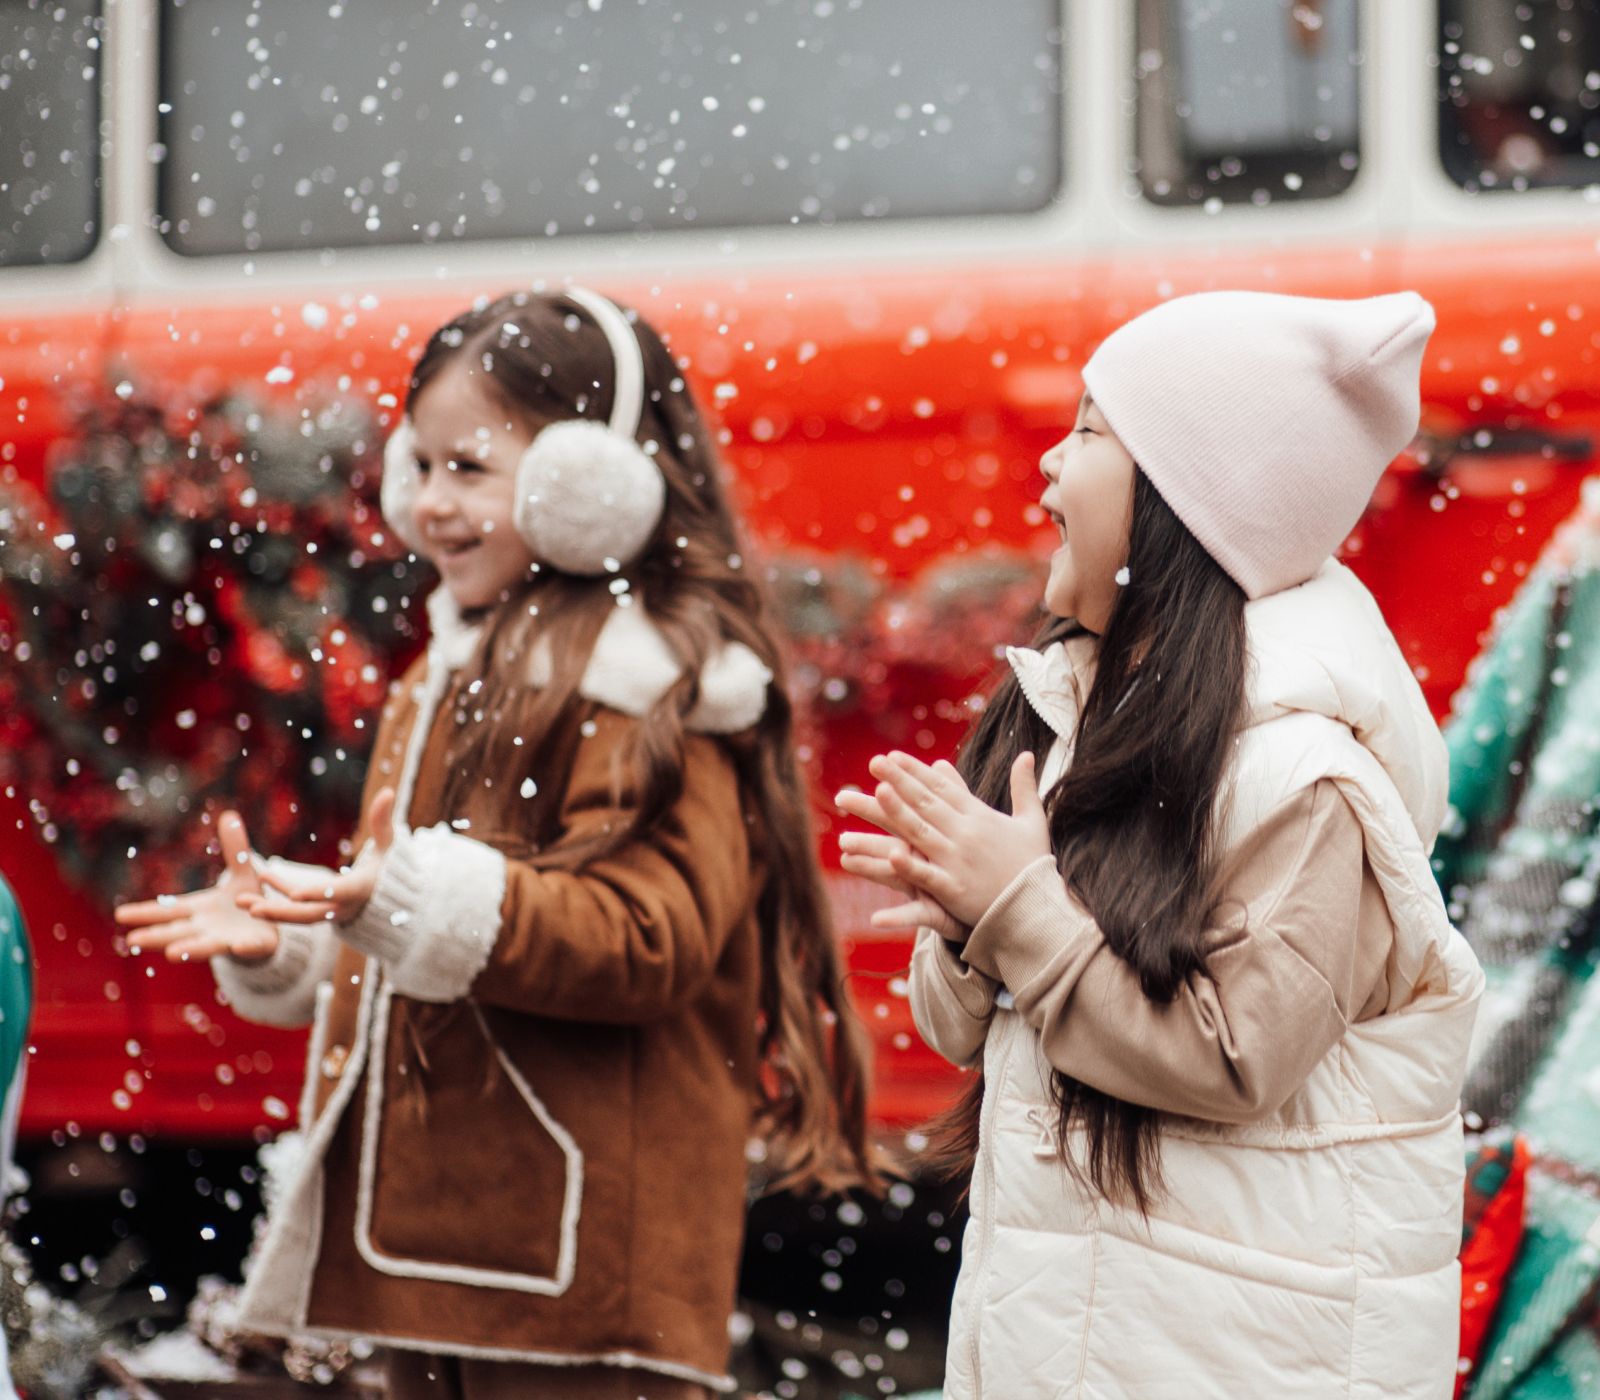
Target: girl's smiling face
{"type": "Point", "coordinates": [468, 448]}
{"type": "Point", "coordinates": [1088, 495]}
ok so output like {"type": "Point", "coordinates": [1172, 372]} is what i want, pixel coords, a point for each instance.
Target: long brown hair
{"type": "Point", "coordinates": [1131, 821]}
{"type": "Point", "coordinates": [545, 360]}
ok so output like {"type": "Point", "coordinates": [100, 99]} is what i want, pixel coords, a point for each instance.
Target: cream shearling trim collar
{"type": "Point", "coordinates": [630, 669]}
{"type": "Point", "coordinates": [1056, 680]}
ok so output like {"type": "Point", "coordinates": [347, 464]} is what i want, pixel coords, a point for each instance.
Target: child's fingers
{"type": "Point", "coordinates": [306, 889]}
{"type": "Point", "coordinates": [291, 911]}
{"type": "Point", "coordinates": [380, 819]}
{"type": "Point", "coordinates": [918, 771]}
{"type": "Point", "coordinates": [879, 871]}
{"type": "Point", "coordinates": [910, 782]}
{"type": "Point", "coordinates": [201, 945]}
{"type": "Point", "coordinates": [1025, 799]}
{"type": "Point", "coordinates": [150, 912]}
{"type": "Point", "coordinates": [917, 914]}
{"type": "Point", "coordinates": [906, 773]}
{"type": "Point", "coordinates": [162, 935]}
{"type": "Point", "coordinates": [861, 805]}
{"type": "Point", "coordinates": [902, 820]}
{"type": "Point", "coordinates": [916, 777]}
{"type": "Point", "coordinates": [869, 843]}
{"type": "Point", "coordinates": [922, 913]}
{"type": "Point", "coordinates": [236, 854]}
{"type": "Point", "coordinates": [921, 874]}
{"type": "Point", "coordinates": [867, 853]}
{"type": "Point", "coordinates": [253, 904]}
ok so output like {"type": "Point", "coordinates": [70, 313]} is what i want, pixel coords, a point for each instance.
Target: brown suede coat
{"type": "Point", "coordinates": [559, 1170]}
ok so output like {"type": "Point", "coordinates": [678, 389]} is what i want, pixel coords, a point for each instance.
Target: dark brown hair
{"type": "Point", "coordinates": [1131, 821]}
{"type": "Point", "coordinates": [545, 360]}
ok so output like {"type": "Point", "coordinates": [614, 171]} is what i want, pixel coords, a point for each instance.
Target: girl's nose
{"type": "Point", "coordinates": [435, 500]}
{"type": "Point", "coordinates": [1050, 465]}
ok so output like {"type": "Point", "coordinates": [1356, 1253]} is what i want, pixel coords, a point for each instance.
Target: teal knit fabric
{"type": "Point", "coordinates": [1519, 861]}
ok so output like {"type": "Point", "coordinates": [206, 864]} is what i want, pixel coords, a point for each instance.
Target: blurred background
{"type": "Point", "coordinates": [882, 236]}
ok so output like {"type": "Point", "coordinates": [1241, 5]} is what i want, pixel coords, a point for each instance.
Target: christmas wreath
{"type": "Point", "coordinates": [200, 609]}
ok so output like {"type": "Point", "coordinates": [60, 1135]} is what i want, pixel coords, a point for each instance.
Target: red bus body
{"type": "Point", "coordinates": [887, 394]}
{"type": "Point", "coordinates": [837, 454]}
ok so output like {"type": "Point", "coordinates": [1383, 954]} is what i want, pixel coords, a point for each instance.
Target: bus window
{"type": "Point", "coordinates": [1244, 102]}
{"type": "Point", "coordinates": [365, 122]}
{"type": "Point", "coordinates": [1519, 93]}
{"type": "Point", "coordinates": [49, 119]}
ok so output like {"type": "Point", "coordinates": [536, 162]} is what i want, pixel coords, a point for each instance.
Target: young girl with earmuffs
{"type": "Point", "coordinates": [583, 951]}
{"type": "Point", "coordinates": [1176, 907]}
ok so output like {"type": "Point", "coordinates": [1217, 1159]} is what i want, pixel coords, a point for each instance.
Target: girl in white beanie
{"type": "Point", "coordinates": [1174, 906]}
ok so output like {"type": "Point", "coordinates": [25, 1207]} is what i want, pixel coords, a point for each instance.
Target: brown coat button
{"type": "Point", "coordinates": [333, 1061]}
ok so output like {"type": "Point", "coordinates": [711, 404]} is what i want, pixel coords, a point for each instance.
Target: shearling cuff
{"type": "Point", "coordinates": [434, 915]}
{"type": "Point", "coordinates": [1030, 924]}
{"type": "Point", "coordinates": [279, 991]}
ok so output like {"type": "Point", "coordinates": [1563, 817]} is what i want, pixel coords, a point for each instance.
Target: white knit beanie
{"type": "Point", "coordinates": [1263, 420]}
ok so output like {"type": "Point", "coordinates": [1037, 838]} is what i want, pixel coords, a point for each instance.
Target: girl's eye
{"type": "Point", "coordinates": [465, 466]}
{"type": "Point", "coordinates": [1085, 429]}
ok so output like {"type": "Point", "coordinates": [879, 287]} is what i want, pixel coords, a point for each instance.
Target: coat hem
{"type": "Point", "coordinates": [534, 1356]}
{"type": "Point", "coordinates": [279, 1277]}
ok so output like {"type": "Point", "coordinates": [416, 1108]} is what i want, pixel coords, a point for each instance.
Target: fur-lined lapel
{"type": "Point", "coordinates": [630, 669]}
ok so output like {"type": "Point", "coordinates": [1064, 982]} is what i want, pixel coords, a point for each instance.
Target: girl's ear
{"type": "Point", "coordinates": [397, 496]}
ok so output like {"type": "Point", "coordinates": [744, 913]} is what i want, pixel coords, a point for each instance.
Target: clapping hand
{"type": "Point", "coordinates": [951, 851]}
{"type": "Point", "coordinates": [209, 922]}
{"type": "Point", "coordinates": [874, 857]}
{"type": "Point", "coordinates": [339, 895]}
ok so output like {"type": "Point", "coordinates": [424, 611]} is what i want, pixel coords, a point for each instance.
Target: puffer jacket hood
{"type": "Point", "coordinates": [1348, 668]}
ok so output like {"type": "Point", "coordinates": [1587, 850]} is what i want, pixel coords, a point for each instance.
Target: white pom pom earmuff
{"type": "Point", "coordinates": [588, 496]}
{"type": "Point", "coordinates": [588, 499]}
{"type": "Point", "coordinates": [397, 495]}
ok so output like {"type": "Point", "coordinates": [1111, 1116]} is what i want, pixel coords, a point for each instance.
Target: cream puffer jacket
{"type": "Point", "coordinates": [1310, 1252]}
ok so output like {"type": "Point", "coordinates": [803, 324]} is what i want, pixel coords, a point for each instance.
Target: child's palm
{"type": "Point", "coordinates": [207, 923]}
